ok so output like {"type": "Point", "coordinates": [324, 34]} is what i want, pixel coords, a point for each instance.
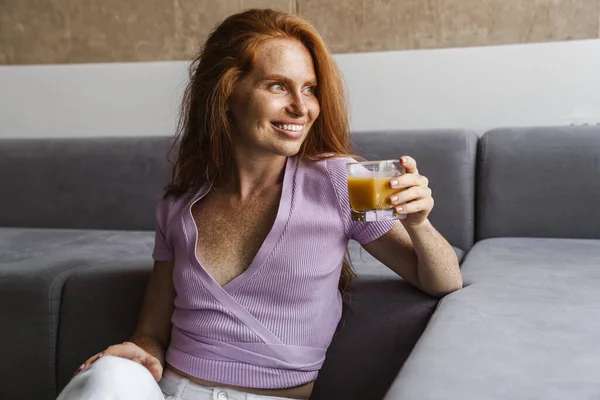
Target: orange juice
{"type": "Point", "coordinates": [370, 193]}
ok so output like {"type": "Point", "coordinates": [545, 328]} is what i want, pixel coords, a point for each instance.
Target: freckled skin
{"type": "Point", "coordinates": [231, 230]}
{"type": "Point", "coordinates": [255, 103]}
{"type": "Point", "coordinates": [231, 225]}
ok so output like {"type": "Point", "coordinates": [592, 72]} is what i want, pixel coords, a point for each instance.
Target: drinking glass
{"type": "Point", "coordinates": [370, 191]}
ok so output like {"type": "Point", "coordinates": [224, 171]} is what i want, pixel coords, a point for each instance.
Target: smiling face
{"type": "Point", "coordinates": [274, 106]}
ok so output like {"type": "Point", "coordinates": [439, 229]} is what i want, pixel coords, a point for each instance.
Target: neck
{"type": "Point", "coordinates": [253, 175]}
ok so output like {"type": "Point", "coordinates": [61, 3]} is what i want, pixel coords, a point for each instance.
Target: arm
{"type": "Point", "coordinates": [421, 256]}
{"type": "Point", "coordinates": [414, 249]}
{"type": "Point", "coordinates": [153, 330]}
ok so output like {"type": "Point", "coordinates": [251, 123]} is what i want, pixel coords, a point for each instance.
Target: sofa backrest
{"type": "Point", "coordinates": [539, 182]}
{"type": "Point", "coordinates": [91, 183]}
{"type": "Point", "coordinates": [447, 158]}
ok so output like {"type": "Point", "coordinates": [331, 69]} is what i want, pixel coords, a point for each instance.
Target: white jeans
{"type": "Point", "coordinates": [116, 378]}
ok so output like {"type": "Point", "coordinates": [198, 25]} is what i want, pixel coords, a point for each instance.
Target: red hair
{"type": "Point", "coordinates": [204, 132]}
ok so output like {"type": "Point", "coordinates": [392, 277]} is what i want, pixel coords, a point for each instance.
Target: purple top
{"type": "Point", "coordinates": [270, 326]}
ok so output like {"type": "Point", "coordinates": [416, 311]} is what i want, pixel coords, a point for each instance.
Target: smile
{"type": "Point", "coordinates": [290, 127]}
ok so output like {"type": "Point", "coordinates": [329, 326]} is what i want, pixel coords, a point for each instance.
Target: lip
{"type": "Point", "coordinates": [289, 134]}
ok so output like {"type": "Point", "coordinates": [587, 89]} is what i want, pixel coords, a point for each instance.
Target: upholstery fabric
{"type": "Point", "coordinates": [82, 183]}
{"type": "Point", "coordinates": [35, 266]}
{"type": "Point", "coordinates": [526, 326]}
{"type": "Point", "coordinates": [539, 182]}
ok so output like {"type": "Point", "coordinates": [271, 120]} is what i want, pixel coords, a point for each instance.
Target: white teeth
{"type": "Point", "coordinates": [290, 127]}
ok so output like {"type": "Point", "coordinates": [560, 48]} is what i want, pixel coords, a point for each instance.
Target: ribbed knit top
{"type": "Point", "coordinates": [270, 326]}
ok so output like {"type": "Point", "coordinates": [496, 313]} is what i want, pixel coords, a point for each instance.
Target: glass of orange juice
{"type": "Point", "coordinates": [370, 190]}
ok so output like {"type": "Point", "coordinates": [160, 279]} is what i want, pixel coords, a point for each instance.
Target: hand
{"type": "Point", "coordinates": [414, 196]}
{"type": "Point", "coordinates": [132, 352]}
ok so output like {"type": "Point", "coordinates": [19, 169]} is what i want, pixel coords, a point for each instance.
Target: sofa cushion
{"type": "Point", "coordinates": [539, 182]}
{"type": "Point", "coordinates": [100, 306]}
{"type": "Point", "coordinates": [92, 183]}
{"type": "Point", "coordinates": [447, 158]}
{"type": "Point", "coordinates": [34, 266]}
{"type": "Point", "coordinates": [524, 327]}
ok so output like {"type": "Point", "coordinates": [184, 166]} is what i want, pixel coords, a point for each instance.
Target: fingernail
{"type": "Point", "coordinates": [399, 209]}
{"type": "Point", "coordinates": [404, 159]}
{"type": "Point", "coordinates": [100, 355]}
{"type": "Point", "coordinates": [394, 182]}
{"type": "Point", "coordinates": [394, 198]}
{"type": "Point", "coordinates": [80, 367]}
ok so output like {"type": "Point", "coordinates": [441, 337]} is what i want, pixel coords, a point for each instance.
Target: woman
{"type": "Point", "coordinates": [251, 234]}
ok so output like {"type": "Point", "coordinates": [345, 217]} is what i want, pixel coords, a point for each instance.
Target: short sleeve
{"type": "Point", "coordinates": [362, 232]}
{"type": "Point", "coordinates": [163, 250]}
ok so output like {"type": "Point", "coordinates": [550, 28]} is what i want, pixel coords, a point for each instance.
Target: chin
{"type": "Point", "coordinates": [289, 149]}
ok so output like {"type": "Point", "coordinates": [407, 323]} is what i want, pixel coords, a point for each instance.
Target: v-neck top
{"type": "Point", "coordinates": [269, 327]}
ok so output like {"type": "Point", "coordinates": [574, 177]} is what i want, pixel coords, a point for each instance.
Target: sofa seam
{"type": "Point", "coordinates": [472, 144]}
{"type": "Point", "coordinates": [54, 330]}
{"type": "Point", "coordinates": [479, 169]}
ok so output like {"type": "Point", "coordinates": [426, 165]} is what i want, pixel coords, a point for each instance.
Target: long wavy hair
{"type": "Point", "coordinates": [204, 133]}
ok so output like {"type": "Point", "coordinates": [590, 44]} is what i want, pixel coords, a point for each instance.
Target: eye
{"type": "Point", "coordinates": [310, 90]}
{"type": "Point", "coordinates": [276, 87]}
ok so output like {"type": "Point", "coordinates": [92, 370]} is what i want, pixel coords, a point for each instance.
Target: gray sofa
{"type": "Point", "coordinates": [520, 207]}
{"type": "Point", "coordinates": [527, 323]}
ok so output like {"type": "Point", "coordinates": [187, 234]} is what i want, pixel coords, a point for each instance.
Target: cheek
{"type": "Point", "coordinates": [266, 108]}
{"type": "Point", "coordinates": [248, 116]}
{"type": "Point", "coordinates": [314, 108]}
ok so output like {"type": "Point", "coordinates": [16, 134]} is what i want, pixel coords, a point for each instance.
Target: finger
{"type": "Point", "coordinates": [410, 194]}
{"type": "Point", "coordinates": [154, 366]}
{"type": "Point", "coordinates": [151, 364]}
{"type": "Point", "coordinates": [408, 180]}
{"type": "Point", "coordinates": [93, 359]}
{"type": "Point", "coordinates": [89, 362]}
{"type": "Point", "coordinates": [409, 164]}
{"type": "Point", "coordinates": [415, 206]}
{"type": "Point", "coordinates": [137, 354]}
{"type": "Point", "coordinates": [126, 350]}
{"type": "Point", "coordinates": [81, 368]}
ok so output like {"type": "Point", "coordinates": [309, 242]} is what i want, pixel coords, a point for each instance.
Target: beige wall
{"type": "Point", "coordinates": [81, 31]}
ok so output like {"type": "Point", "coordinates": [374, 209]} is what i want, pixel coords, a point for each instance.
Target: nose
{"type": "Point", "coordinates": [297, 105]}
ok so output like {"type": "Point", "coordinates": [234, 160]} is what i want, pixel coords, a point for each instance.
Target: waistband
{"type": "Point", "coordinates": [179, 386]}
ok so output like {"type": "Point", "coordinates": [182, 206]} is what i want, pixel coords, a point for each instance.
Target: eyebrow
{"type": "Point", "coordinates": [277, 77]}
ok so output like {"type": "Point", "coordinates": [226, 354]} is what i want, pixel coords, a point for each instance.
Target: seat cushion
{"type": "Point", "coordinates": [526, 326]}
{"type": "Point", "coordinates": [34, 266]}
